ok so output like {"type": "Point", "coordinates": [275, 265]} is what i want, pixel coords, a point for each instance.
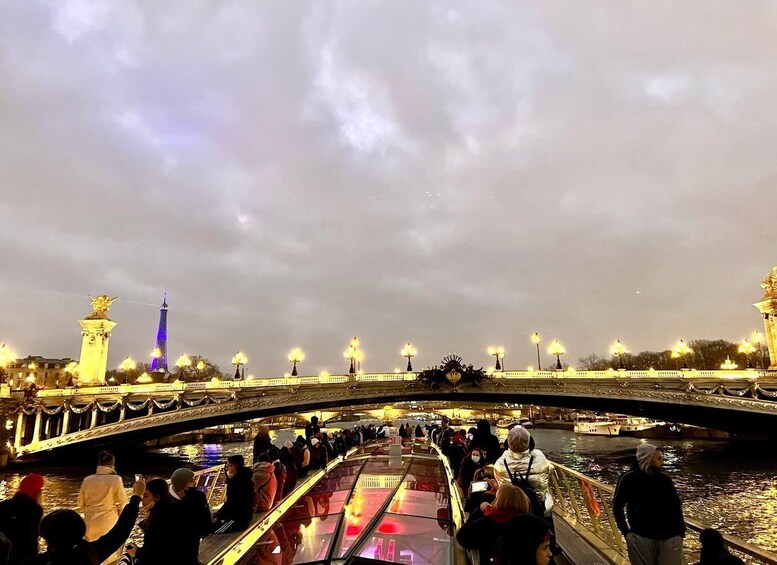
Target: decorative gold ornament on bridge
{"type": "Point", "coordinates": [100, 306]}
{"type": "Point", "coordinates": [453, 377]}
{"type": "Point", "coordinates": [770, 284]}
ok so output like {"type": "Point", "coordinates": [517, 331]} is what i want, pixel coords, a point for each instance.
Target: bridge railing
{"type": "Point", "coordinates": [587, 504]}
{"type": "Point", "coordinates": [213, 482]}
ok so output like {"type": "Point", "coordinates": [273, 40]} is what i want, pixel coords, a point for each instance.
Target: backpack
{"type": "Point", "coordinates": [535, 501]}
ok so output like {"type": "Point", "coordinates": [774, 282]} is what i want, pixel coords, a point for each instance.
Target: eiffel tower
{"type": "Point", "coordinates": [159, 362]}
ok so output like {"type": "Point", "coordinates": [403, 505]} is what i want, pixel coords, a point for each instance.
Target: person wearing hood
{"type": "Point", "coordinates": [102, 497]}
{"type": "Point", "coordinates": [64, 532]}
{"type": "Point", "coordinates": [526, 541]}
{"type": "Point", "coordinates": [487, 442]}
{"type": "Point", "coordinates": [318, 458]}
{"type": "Point", "coordinates": [262, 442]}
{"type": "Point", "coordinates": [238, 509]}
{"type": "Point", "coordinates": [191, 517]}
{"type": "Point", "coordinates": [312, 428]}
{"type": "Point", "coordinates": [264, 483]}
{"type": "Point", "coordinates": [713, 550]}
{"type": "Point", "coordinates": [20, 518]}
{"type": "Point", "coordinates": [489, 522]}
{"type": "Point", "coordinates": [419, 432]}
{"type": "Point", "coordinates": [287, 458]}
{"type": "Point", "coordinates": [653, 522]}
{"type": "Point", "coordinates": [301, 454]}
{"type": "Point", "coordinates": [515, 462]}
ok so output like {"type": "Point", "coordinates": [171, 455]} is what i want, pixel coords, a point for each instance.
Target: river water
{"type": "Point", "coordinates": [727, 485]}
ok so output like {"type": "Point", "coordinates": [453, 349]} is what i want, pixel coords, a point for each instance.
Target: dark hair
{"type": "Point", "coordinates": [5, 549]}
{"type": "Point", "coordinates": [62, 528]}
{"type": "Point", "coordinates": [273, 453]}
{"type": "Point", "coordinates": [263, 457]}
{"type": "Point", "coordinates": [712, 546]}
{"type": "Point", "coordinates": [158, 487]}
{"type": "Point", "coordinates": [237, 460]}
{"type": "Point", "coordinates": [106, 459]}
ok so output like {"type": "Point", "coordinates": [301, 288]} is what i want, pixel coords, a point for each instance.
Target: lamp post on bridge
{"type": "Point", "coordinates": [558, 350]}
{"type": "Point", "coordinates": [757, 338]}
{"type": "Point", "coordinates": [681, 350]}
{"type": "Point", "coordinates": [183, 363]}
{"type": "Point", "coordinates": [354, 355]}
{"type": "Point", "coordinates": [239, 360]}
{"type": "Point", "coordinates": [6, 358]}
{"type": "Point", "coordinates": [499, 353]}
{"type": "Point", "coordinates": [409, 351]}
{"type": "Point", "coordinates": [295, 356]}
{"type": "Point", "coordinates": [747, 349]}
{"type": "Point", "coordinates": [72, 370]}
{"type": "Point", "coordinates": [728, 364]}
{"type": "Point", "coordinates": [618, 349]}
{"type": "Point", "coordinates": [536, 339]}
{"type": "Point", "coordinates": [127, 365]}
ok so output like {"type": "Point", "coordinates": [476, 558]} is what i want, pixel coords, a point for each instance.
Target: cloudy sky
{"type": "Point", "coordinates": [457, 174]}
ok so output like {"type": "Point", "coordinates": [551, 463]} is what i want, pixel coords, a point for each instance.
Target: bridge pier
{"type": "Point", "coordinates": [38, 421]}
{"type": "Point", "coordinates": [93, 422]}
{"type": "Point", "coordinates": [66, 419]}
{"type": "Point", "coordinates": [20, 423]}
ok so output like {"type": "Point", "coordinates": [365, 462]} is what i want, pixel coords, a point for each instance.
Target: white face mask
{"type": "Point", "coordinates": [470, 437]}
{"type": "Point", "coordinates": [476, 458]}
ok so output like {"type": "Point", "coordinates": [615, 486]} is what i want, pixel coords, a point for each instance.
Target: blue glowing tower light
{"type": "Point", "coordinates": [160, 363]}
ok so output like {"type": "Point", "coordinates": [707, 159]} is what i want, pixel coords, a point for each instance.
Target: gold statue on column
{"type": "Point", "coordinates": [100, 306]}
{"type": "Point", "coordinates": [770, 284]}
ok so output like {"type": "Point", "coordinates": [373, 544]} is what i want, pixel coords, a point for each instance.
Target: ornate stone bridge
{"type": "Point", "coordinates": [737, 401]}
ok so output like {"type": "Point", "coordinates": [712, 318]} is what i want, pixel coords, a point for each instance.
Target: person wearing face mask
{"type": "Point", "coordinates": [158, 548]}
{"type": "Point", "coordinates": [238, 508]}
{"type": "Point", "coordinates": [471, 463]}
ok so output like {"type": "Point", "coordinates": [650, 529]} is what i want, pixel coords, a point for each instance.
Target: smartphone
{"type": "Point", "coordinates": [479, 486]}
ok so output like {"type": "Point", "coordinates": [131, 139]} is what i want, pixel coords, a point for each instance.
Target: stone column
{"type": "Point", "coordinates": [38, 421]}
{"type": "Point", "coordinates": [93, 423]}
{"type": "Point", "coordinates": [123, 410]}
{"type": "Point", "coordinates": [66, 418]}
{"type": "Point", "coordinates": [768, 308]}
{"type": "Point", "coordinates": [20, 423]}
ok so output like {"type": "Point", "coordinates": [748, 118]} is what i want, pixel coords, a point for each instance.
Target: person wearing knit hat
{"type": "Point", "coordinates": [648, 510]}
{"type": "Point", "coordinates": [518, 461]}
{"type": "Point", "coordinates": [20, 518]}
{"type": "Point", "coordinates": [191, 517]}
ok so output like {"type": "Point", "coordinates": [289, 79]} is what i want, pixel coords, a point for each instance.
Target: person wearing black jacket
{"type": "Point", "coordinates": [487, 442]}
{"type": "Point", "coordinates": [191, 519]}
{"type": "Point", "coordinates": [64, 532]}
{"type": "Point", "coordinates": [158, 546]}
{"type": "Point", "coordinates": [238, 509]}
{"type": "Point", "coordinates": [653, 523]}
{"type": "Point", "coordinates": [20, 518]}
{"type": "Point", "coordinates": [312, 428]}
{"type": "Point", "coordinates": [262, 442]}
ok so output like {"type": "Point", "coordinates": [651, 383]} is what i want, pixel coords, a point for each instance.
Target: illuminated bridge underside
{"type": "Point", "coordinates": [744, 404]}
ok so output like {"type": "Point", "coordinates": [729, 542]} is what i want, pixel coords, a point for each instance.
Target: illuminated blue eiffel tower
{"type": "Point", "coordinates": [160, 351]}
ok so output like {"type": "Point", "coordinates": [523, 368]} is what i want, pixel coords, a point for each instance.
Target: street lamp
{"type": "Point", "coordinates": [536, 339]}
{"type": "Point", "coordinates": [295, 356]}
{"type": "Point", "coordinates": [747, 349]}
{"type": "Point", "coordinates": [618, 349]}
{"type": "Point", "coordinates": [200, 367]}
{"type": "Point", "coordinates": [409, 351]}
{"type": "Point", "coordinates": [239, 360]}
{"type": "Point", "coordinates": [728, 364]}
{"type": "Point", "coordinates": [6, 358]}
{"type": "Point", "coordinates": [182, 363]}
{"type": "Point", "coordinates": [127, 365]}
{"type": "Point", "coordinates": [499, 353]}
{"type": "Point", "coordinates": [558, 350]}
{"type": "Point", "coordinates": [71, 369]}
{"type": "Point", "coordinates": [758, 338]}
{"type": "Point", "coordinates": [681, 350]}
{"type": "Point", "coordinates": [354, 355]}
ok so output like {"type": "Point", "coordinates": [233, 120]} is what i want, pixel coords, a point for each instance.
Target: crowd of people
{"type": "Point", "coordinates": [506, 488]}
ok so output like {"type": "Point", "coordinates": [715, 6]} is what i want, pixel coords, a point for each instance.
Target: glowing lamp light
{"type": "Point", "coordinates": [239, 360]}
{"type": "Point", "coordinates": [499, 353]}
{"type": "Point", "coordinates": [200, 365]}
{"type": "Point", "coordinates": [156, 353]}
{"type": "Point", "coordinates": [409, 352]}
{"type": "Point", "coordinates": [7, 356]}
{"type": "Point", "coordinates": [536, 339]}
{"type": "Point", "coordinates": [296, 355]}
{"type": "Point", "coordinates": [183, 361]}
{"type": "Point", "coordinates": [323, 375]}
{"type": "Point", "coordinates": [728, 364]}
{"type": "Point", "coordinates": [144, 379]}
{"type": "Point", "coordinates": [681, 350]}
{"type": "Point", "coordinates": [128, 364]}
{"type": "Point", "coordinates": [558, 350]}
{"type": "Point", "coordinates": [618, 349]}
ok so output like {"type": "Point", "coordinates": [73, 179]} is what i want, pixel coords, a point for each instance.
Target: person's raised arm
{"type": "Point", "coordinates": [118, 534]}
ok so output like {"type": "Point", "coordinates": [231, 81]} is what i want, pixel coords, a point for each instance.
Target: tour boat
{"type": "Point", "coordinates": [597, 426]}
{"type": "Point", "coordinates": [507, 423]}
{"type": "Point", "coordinates": [351, 419]}
{"type": "Point", "coordinates": [630, 425]}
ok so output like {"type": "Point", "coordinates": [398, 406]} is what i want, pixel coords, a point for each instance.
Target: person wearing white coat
{"type": "Point", "coordinates": [102, 497]}
{"type": "Point", "coordinates": [517, 458]}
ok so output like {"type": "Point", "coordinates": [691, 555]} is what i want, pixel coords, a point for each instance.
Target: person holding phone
{"type": "Point", "coordinates": [474, 460]}
{"type": "Point", "coordinates": [158, 546]}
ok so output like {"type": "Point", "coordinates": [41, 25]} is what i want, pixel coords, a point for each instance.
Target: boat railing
{"type": "Point", "coordinates": [213, 482]}
{"type": "Point", "coordinates": [586, 504]}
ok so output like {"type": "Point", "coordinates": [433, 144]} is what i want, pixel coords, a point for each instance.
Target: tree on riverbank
{"type": "Point", "coordinates": [708, 354]}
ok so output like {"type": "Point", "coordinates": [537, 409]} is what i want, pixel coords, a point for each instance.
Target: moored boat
{"type": "Point", "coordinates": [596, 426]}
